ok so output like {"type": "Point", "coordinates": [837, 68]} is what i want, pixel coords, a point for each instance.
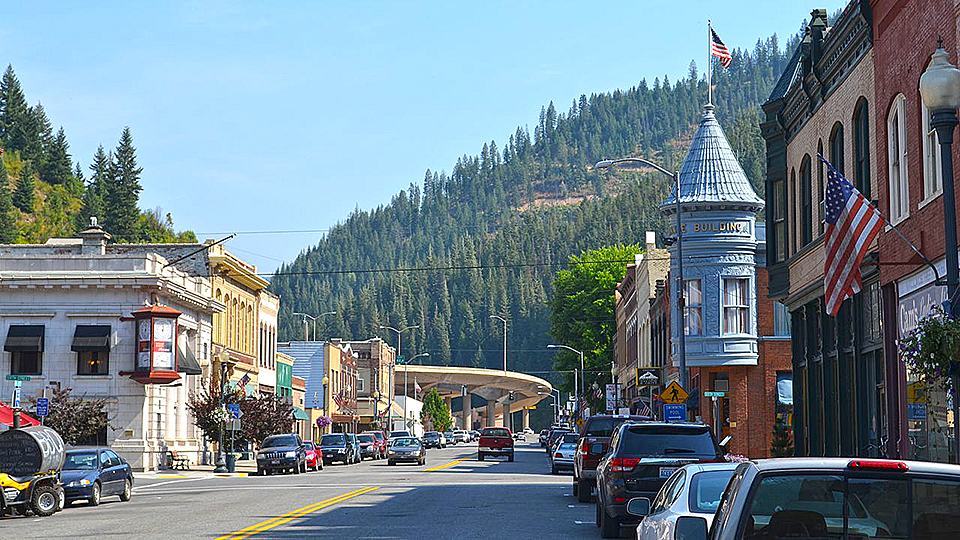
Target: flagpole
{"type": "Point", "coordinates": [709, 63]}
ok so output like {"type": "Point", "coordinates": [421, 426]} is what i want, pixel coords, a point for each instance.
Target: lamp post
{"type": "Point", "coordinates": [556, 400]}
{"type": "Point", "coordinates": [223, 358]}
{"type": "Point", "coordinates": [504, 321]}
{"type": "Point", "coordinates": [583, 373]}
{"type": "Point", "coordinates": [312, 319]}
{"type": "Point", "coordinates": [681, 330]}
{"type": "Point", "coordinates": [940, 90]}
{"type": "Point", "coordinates": [400, 354]}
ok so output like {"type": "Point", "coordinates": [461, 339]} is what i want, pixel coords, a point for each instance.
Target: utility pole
{"type": "Point", "coordinates": [504, 321]}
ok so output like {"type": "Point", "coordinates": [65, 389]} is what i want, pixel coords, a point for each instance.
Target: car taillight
{"type": "Point", "coordinates": [623, 464]}
{"type": "Point", "coordinates": [584, 448]}
{"type": "Point", "coordinates": [558, 454]}
{"type": "Point", "coordinates": [880, 465]}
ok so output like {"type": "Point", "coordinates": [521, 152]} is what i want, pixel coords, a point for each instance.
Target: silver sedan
{"type": "Point", "coordinates": [693, 490]}
{"type": "Point", "coordinates": [562, 458]}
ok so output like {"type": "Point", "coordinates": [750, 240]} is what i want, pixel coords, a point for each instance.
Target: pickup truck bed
{"type": "Point", "coordinates": [495, 442]}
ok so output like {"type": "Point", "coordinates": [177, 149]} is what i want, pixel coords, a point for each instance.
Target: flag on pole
{"type": "Point", "coordinates": [852, 224]}
{"type": "Point", "coordinates": [243, 380]}
{"type": "Point", "coordinates": [644, 410]}
{"type": "Point", "coordinates": [338, 399]}
{"type": "Point", "coordinates": [416, 388]}
{"type": "Point", "coordinates": [718, 49]}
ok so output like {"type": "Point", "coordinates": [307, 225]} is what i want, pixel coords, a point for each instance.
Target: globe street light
{"type": "Point", "coordinates": [681, 330]}
{"type": "Point", "coordinates": [940, 90]}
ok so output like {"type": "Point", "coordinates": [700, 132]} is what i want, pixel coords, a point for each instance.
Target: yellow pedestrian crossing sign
{"type": "Point", "coordinates": [674, 394]}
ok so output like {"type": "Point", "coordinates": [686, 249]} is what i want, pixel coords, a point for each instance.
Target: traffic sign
{"type": "Point", "coordinates": [714, 394]}
{"type": "Point", "coordinates": [675, 412]}
{"type": "Point", "coordinates": [648, 376]}
{"type": "Point", "coordinates": [235, 412]}
{"type": "Point", "coordinates": [18, 377]}
{"type": "Point", "coordinates": [43, 405]}
{"type": "Point", "coordinates": [233, 425]}
{"type": "Point", "coordinates": [674, 394]}
{"type": "Point", "coordinates": [530, 407]}
{"type": "Point", "coordinates": [16, 398]}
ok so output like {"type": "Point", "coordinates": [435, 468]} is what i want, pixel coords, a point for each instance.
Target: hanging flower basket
{"type": "Point", "coordinates": [929, 349]}
{"type": "Point", "coordinates": [323, 422]}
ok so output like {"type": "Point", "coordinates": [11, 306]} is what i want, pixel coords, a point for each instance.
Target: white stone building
{"type": "Point", "coordinates": [65, 318]}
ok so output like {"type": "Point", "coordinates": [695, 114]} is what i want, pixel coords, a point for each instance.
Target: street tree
{"type": "Point", "coordinates": [435, 411]}
{"type": "Point", "coordinates": [76, 419]}
{"type": "Point", "coordinates": [582, 312]}
{"type": "Point", "coordinates": [207, 410]}
{"type": "Point", "coordinates": [264, 415]}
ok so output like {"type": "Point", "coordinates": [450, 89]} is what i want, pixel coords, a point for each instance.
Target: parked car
{"type": "Point", "coordinates": [337, 447]}
{"type": "Point", "coordinates": [555, 435]}
{"type": "Point", "coordinates": [381, 441]}
{"type": "Point", "coordinates": [282, 453]}
{"type": "Point", "coordinates": [92, 473]}
{"type": "Point", "coordinates": [314, 459]}
{"type": "Point", "coordinates": [495, 441]}
{"type": "Point", "coordinates": [694, 490]}
{"type": "Point", "coordinates": [528, 431]}
{"type": "Point", "coordinates": [544, 435]}
{"type": "Point", "coordinates": [451, 439]}
{"type": "Point", "coordinates": [434, 439]}
{"type": "Point", "coordinates": [461, 436]}
{"type": "Point", "coordinates": [562, 457]}
{"type": "Point", "coordinates": [368, 446]}
{"type": "Point", "coordinates": [641, 458]}
{"type": "Point", "coordinates": [406, 449]}
{"type": "Point", "coordinates": [832, 498]}
{"type": "Point", "coordinates": [355, 445]}
{"type": "Point", "coordinates": [596, 431]}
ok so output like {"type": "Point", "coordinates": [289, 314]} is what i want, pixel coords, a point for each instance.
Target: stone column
{"type": "Point", "coordinates": [467, 412]}
{"type": "Point", "coordinates": [526, 418]}
{"type": "Point", "coordinates": [506, 416]}
{"type": "Point", "coordinates": [491, 413]}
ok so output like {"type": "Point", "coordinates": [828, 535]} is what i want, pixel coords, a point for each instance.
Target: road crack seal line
{"type": "Point", "coordinates": [290, 516]}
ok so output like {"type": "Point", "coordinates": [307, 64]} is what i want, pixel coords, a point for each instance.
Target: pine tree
{"type": "Point", "coordinates": [8, 225]}
{"type": "Point", "coordinates": [23, 196]}
{"type": "Point", "coordinates": [56, 163]}
{"type": "Point", "coordinates": [782, 445]}
{"type": "Point", "coordinates": [14, 112]}
{"type": "Point", "coordinates": [39, 135]}
{"type": "Point", "coordinates": [121, 214]}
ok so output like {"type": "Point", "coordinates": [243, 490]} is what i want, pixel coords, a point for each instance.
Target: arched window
{"type": "Point", "coordinates": [242, 327]}
{"type": "Point", "coordinates": [235, 326]}
{"type": "Point", "coordinates": [217, 317]}
{"type": "Point", "coordinates": [932, 172]}
{"type": "Point", "coordinates": [250, 323]}
{"type": "Point", "coordinates": [836, 147]}
{"type": "Point", "coordinates": [820, 187]}
{"type": "Point", "coordinates": [897, 160]}
{"type": "Point", "coordinates": [861, 147]}
{"type": "Point", "coordinates": [792, 205]}
{"type": "Point", "coordinates": [806, 202]}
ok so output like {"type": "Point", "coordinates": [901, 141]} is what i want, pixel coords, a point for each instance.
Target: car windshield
{"type": "Point", "coordinates": [496, 433]}
{"type": "Point", "coordinates": [431, 435]}
{"type": "Point", "coordinates": [405, 441]}
{"type": "Point", "coordinates": [395, 434]}
{"type": "Point", "coordinates": [366, 438]}
{"type": "Point", "coordinates": [308, 445]}
{"type": "Point", "coordinates": [602, 427]}
{"type": "Point", "coordinates": [80, 461]}
{"type": "Point", "coordinates": [706, 488]}
{"type": "Point", "coordinates": [673, 441]}
{"type": "Point", "coordinates": [567, 446]}
{"type": "Point", "coordinates": [570, 437]}
{"type": "Point", "coordinates": [333, 439]}
{"type": "Point", "coordinates": [279, 440]}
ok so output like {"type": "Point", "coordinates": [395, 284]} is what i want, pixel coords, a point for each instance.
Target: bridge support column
{"type": "Point", "coordinates": [491, 419]}
{"type": "Point", "coordinates": [526, 418]}
{"type": "Point", "coordinates": [506, 417]}
{"type": "Point", "coordinates": [467, 412]}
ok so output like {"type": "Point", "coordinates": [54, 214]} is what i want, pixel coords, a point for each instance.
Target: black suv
{"type": "Point", "coordinates": [338, 447]}
{"type": "Point", "coordinates": [641, 458]}
{"type": "Point", "coordinates": [282, 453]}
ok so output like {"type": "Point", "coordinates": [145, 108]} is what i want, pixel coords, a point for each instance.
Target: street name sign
{"type": "Point", "coordinates": [675, 412]}
{"type": "Point", "coordinates": [43, 405]}
{"type": "Point", "coordinates": [18, 377]}
{"type": "Point", "coordinates": [674, 394]}
{"type": "Point", "coordinates": [714, 394]}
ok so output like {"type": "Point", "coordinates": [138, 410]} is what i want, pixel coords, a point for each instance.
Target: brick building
{"type": "Point", "coordinates": [824, 104]}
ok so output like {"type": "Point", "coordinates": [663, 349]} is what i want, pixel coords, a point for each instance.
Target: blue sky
{"type": "Point", "coordinates": [249, 118]}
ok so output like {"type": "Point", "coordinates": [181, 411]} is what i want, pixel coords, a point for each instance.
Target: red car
{"type": "Point", "coordinates": [381, 442]}
{"type": "Point", "coordinates": [314, 459]}
{"type": "Point", "coordinates": [495, 441]}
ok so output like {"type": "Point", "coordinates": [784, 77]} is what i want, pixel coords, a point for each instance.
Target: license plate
{"type": "Point", "coordinates": [329, 455]}
{"type": "Point", "coordinates": [665, 472]}
{"type": "Point", "coordinates": [274, 461]}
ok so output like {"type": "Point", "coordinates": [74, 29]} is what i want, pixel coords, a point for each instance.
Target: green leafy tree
{"type": "Point", "coordinates": [582, 311]}
{"type": "Point", "coordinates": [435, 411]}
{"type": "Point", "coordinates": [8, 218]}
{"type": "Point", "coordinates": [76, 419]}
{"type": "Point", "coordinates": [265, 415]}
{"type": "Point", "coordinates": [782, 444]}
{"type": "Point", "coordinates": [208, 413]}
{"type": "Point", "coordinates": [57, 162]}
{"type": "Point", "coordinates": [122, 217]}
{"type": "Point", "coordinates": [24, 195]}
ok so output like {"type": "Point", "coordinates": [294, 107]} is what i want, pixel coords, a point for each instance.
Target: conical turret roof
{"type": "Point", "coordinates": [711, 173]}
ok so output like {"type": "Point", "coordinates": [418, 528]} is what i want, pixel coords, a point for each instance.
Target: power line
{"type": "Point", "coordinates": [292, 231]}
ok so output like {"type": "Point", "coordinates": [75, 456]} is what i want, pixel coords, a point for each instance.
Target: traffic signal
{"type": "Point", "coordinates": [511, 395]}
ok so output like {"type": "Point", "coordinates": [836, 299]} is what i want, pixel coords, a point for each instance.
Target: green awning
{"type": "Point", "coordinates": [300, 414]}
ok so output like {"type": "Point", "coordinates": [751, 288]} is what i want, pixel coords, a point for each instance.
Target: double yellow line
{"type": "Point", "coordinates": [289, 516]}
{"type": "Point", "coordinates": [452, 463]}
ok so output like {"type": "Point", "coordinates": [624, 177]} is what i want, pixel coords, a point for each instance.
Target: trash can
{"type": "Point", "coordinates": [231, 462]}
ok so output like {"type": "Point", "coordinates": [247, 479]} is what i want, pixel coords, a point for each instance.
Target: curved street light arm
{"type": "Point", "coordinates": [608, 162]}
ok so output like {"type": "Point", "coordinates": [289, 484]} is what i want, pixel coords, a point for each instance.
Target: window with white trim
{"type": "Point", "coordinates": [897, 161]}
{"type": "Point", "coordinates": [932, 172]}
{"type": "Point", "coordinates": [693, 307]}
{"type": "Point", "coordinates": [736, 306]}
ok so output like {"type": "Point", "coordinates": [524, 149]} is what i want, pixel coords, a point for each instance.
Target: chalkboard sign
{"type": "Point", "coordinates": [27, 451]}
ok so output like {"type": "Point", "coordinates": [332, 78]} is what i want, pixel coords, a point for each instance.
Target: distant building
{"type": "Point", "coordinates": [375, 362]}
{"type": "Point", "coordinates": [329, 372]}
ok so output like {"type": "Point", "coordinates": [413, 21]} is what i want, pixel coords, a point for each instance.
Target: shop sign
{"type": "Point", "coordinates": [912, 307]}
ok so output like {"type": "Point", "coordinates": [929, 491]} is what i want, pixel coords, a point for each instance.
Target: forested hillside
{"type": "Point", "coordinates": [43, 193]}
{"type": "Point", "coordinates": [488, 237]}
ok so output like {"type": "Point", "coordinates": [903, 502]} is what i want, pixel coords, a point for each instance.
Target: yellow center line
{"type": "Point", "coordinates": [289, 516]}
{"type": "Point", "coordinates": [451, 464]}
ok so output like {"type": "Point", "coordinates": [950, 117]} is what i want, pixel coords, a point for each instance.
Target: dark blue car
{"type": "Point", "coordinates": [92, 473]}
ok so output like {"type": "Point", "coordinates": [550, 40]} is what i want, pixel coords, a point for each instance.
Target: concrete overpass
{"type": "Point", "coordinates": [494, 385]}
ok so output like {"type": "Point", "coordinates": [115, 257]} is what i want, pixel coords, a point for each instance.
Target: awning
{"type": "Point", "coordinates": [785, 388]}
{"type": "Point", "coordinates": [24, 338]}
{"type": "Point", "coordinates": [300, 414]}
{"type": "Point", "coordinates": [187, 363]}
{"type": "Point", "coordinates": [88, 337]}
{"type": "Point", "coordinates": [6, 417]}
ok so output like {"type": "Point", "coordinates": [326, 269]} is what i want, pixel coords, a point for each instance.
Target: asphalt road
{"type": "Point", "coordinates": [453, 496]}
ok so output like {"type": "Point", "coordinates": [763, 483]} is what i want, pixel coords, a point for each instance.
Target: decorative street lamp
{"type": "Point", "coordinates": [681, 330]}
{"type": "Point", "coordinates": [223, 357]}
{"type": "Point", "coordinates": [940, 90]}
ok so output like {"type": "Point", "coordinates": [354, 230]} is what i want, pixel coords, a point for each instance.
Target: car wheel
{"type": "Point", "coordinates": [480, 456]}
{"type": "Point", "coordinates": [583, 491]}
{"type": "Point", "coordinates": [127, 491]}
{"type": "Point", "coordinates": [510, 458]}
{"type": "Point", "coordinates": [62, 499]}
{"type": "Point", "coordinates": [94, 499]}
{"type": "Point", "coordinates": [303, 467]}
{"type": "Point", "coordinates": [45, 500]}
{"type": "Point", "coordinates": [576, 486]}
{"type": "Point", "coordinates": [596, 520]}
{"type": "Point", "coordinates": [609, 526]}
{"type": "Point", "coordinates": [391, 462]}
{"type": "Point", "coordinates": [553, 469]}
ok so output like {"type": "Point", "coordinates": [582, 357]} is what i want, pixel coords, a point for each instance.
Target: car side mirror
{"type": "Point", "coordinates": [725, 442]}
{"type": "Point", "coordinates": [690, 528]}
{"type": "Point", "coordinates": [596, 448]}
{"type": "Point", "coordinates": [638, 506]}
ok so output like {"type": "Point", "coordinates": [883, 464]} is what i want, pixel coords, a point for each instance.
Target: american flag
{"type": "Point", "coordinates": [644, 410]}
{"type": "Point", "coordinates": [244, 380]}
{"type": "Point", "coordinates": [852, 224]}
{"type": "Point", "coordinates": [338, 399]}
{"type": "Point", "coordinates": [416, 388]}
{"type": "Point", "coordinates": [718, 49]}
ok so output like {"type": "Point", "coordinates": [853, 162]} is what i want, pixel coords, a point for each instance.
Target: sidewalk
{"type": "Point", "coordinates": [243, 468]}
